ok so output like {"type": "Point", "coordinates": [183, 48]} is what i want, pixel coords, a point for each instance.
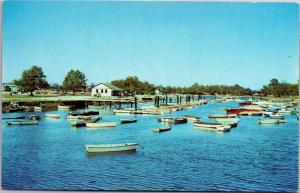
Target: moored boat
{"type": "Point", "coordinates": [38, 109]}
{"type": "Point", "coordinates": [103, 148]}
{"type": "Point", "coordinates": [18, 117]}
{"type": "Point", "coordinates": [221, 115]}
{"type": "Point", "coordinates": [179, 120]}
{"type": "Point", "coordinates": [64, 107]}
{"type": "Point", "coordinates": [162, 129]}
{"type": "Point", "coordinates": [94, 107]}
{"type": "Point", "coordinates": [244, 103]}
{"type": "Point", "coordinates": [77, 123]}
{"type": "Point", "coordinates": [124, 121]}
{"type": "Point", "coordinates": [34, 117]}
{"type": "Point", "coordinates": [52, 116]}
{"type": "Point", "coordinates": [211, 126]}
{"type": "Point", "coordinates": [191, 118]}
{"type": "Point", "coordinates": [23, 122]}
{"type": "Point", "coordinates": [224, 120]}
{"type": "Point", "coordinates": [244, 109]}
{"type": "Point", "coordinates": [268, 121]}
{"type": "Point", "coordinates": [277, 116]}
{"type": "Point", "coordinates": [100, 125]}
{"type": "Point", "coordinates": [251, 113]}
{"type": "Point", "coordinates": [79, 117]}
{"type": "Point", "coordinates": [84, 113]}
{"type": "Point", "coordinates": [94, 119]}
{"type": "Point", "coordinates": [166, 119]}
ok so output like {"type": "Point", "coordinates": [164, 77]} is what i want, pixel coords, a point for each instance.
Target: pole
{"type": "Point", "coordinates": [166, 100]}
{"type": "Point", "coordinates": [135, 103]}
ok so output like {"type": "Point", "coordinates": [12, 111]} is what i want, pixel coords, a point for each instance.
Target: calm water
{"type": "Point", "coordinates": [250, 157]}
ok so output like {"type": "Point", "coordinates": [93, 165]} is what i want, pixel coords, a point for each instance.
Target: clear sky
{"type": "Point", "coordinates": [167, 43]}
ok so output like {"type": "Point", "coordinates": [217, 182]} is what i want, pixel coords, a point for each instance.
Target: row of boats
{"type": "Point", "coordinates": [221, 123]}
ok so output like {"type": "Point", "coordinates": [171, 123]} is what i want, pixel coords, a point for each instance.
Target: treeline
{"type": "Point", "coordinates": [75, 80]}
{"type": "Point", "coordinates": [133, 85]}
{"type": "Point", "coordinates": [278, 89]}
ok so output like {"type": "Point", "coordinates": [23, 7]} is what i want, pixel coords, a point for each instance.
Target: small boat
{"type": "Point", "coordinates": [191, 118]}
{"type": "Point", "coordinates": [207, 124]}
{"type": "Point", "coordinates": [277, 116]}
{"type": "Point", "coordinates": [166, 119]}
{"type": "Point", "coordinates": [217, 115]}
{"type": "Point", "coordinates": [84, 113]}
{"type": "Point", "coordinates": [78, 123]}
{"type": "Point", "coordinates": [38, 109]}
{"type": "Point", "coordinates": [230, 124]}
{"type": "Point", "coordinates": [211, 125]}
{"type": "Point", "coordinates": [245, 103]}
{"type": "Point", "coordinates": [100, 125]}
{"type": "Point", "coordinates": [34, 117]}
{"type": "Point", "coordinates": [103, 148]}
{"type": "Point", "coordinates": [249, 108]}
{"type": "Point", "coordinates": [19, 117]}
{"type": "Point", "coordinates": [63, 107]}
{"type": "Point", "coordinates": [162, 129]}
{"type": "Point", "coordinates": [256, 114]}
{"type": "Point", "coordinates": [52, 116]}
{"type": "Point", "coordinates": [268, 113]}
{"type": "Point", "coordinates": [94, 119]}
{"type": "Point", "coordinates": [94, 107]}
{"type": "Point", "coordinates": [79, 117]}
{"type": "Point", "coordinates": [221, 115]}
{"type": "Point", "coordinates": [284, 112]}
{"type": "Point", "coordinates": [281, 121]}
{"type": "Point", "coordinates": [23, 122]}
{"type": "Point", "coordinates": [227, 120]}
{"type": "Point", "coordinates": [268, 121]}
{"type": "Point", "coordinates": [124, 121]}
{"type": "Point", "coordinates": [180, 120]}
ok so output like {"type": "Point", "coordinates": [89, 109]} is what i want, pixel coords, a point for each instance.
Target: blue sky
{"type": "Point", "coordinates": [167, 43]}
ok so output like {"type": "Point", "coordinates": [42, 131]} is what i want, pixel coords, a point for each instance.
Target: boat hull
{"type": "Point", "coordinates": [126, 121]}
{"type": "Point", "coordinates": [162, 129]}
{"type": "Point", "coordinates": [23, 122]}
{"type": "Point", "coordinates": [268, 121]}
{"type": "Point", "coordinates": [111, 148]}
{"type": "Point", "coordinates": [101, 125]}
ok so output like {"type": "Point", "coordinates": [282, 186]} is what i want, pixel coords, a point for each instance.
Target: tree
{"type": "Point", "coordinates": [31, 80]}
{"type": "Point", "coordinates": [278, 89]}
{"type": "Point", "coordinates": [74, 81]}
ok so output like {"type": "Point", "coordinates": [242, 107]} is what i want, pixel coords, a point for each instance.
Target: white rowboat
{"type": "Point", "coordinates": [100, 125]}
{"type": "Point", "coordinates": [52, 116]}
{"type": "Point", "coordinates": [102, 148]}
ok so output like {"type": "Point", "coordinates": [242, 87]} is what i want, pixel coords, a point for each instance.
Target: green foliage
{"type": "Point", "coordinates": [31, 80]}
{"type": "Point", "coordinates": [278, 89]}
{"type": "Point", "coordinates": [74, 81]}
{"type": "Point", "coordinates": [133, 85]}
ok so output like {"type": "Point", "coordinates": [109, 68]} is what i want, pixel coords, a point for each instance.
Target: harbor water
{"type": "Point", "coordinates": [251, 157]}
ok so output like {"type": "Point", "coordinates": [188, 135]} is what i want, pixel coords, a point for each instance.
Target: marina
{"type": "Point", "coordinates": [151, 146]}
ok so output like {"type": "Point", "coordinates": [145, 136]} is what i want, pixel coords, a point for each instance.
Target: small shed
{"type": "Point", "coordinates": [106, 90]}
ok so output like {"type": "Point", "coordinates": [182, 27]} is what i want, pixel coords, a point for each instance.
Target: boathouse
{"type": "Point", "coordinates": [106, 90]}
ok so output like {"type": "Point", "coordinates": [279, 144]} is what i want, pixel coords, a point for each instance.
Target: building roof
{"type": "Point", "coordinates": [113, 87]}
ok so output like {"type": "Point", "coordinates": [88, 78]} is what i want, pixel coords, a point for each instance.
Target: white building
{"type": "Point", "coordinates": [105, 90]}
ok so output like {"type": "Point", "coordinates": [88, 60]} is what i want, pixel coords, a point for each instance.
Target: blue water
{"type": "Point", "coordinates": [251, 157]}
